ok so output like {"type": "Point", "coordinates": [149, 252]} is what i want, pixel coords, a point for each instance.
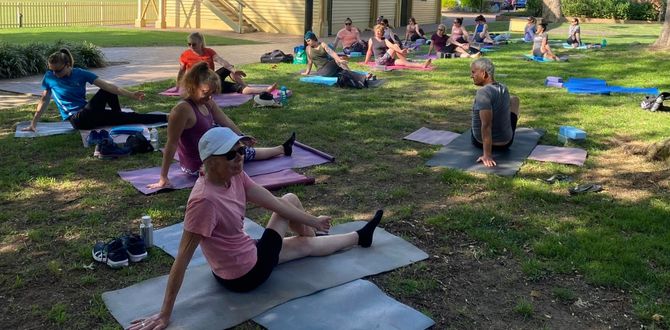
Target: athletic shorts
{"type": "Point", "coordinates": [387, 59]}
{"type": "Point", "coordinates": [267, 252]}
{"type": "Point", "coordinates": [227, 86]}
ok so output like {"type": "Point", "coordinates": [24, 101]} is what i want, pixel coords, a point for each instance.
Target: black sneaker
{"type": "Point", "coordinates": [135, 247]}
{"type": "Point", "coordinates": [112, 253]}
{"type": "Point", "coordinates": [93, 138]}
{"type": "Point", "coordinates": [110, 150]}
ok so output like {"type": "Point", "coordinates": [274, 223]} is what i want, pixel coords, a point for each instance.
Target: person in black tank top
{"type": "Point", "coordinates": [388, 53]}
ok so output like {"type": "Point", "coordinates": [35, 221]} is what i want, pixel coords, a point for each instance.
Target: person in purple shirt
{"type": "Point", "coordinates": [194, 116]}
{"type": "Point", "coordinates": [67, 86]}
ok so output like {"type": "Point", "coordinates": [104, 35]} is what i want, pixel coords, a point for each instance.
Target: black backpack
{"type": "Point", "coordinates": [346, 78]}
{"type": "Point", "coordinates": [276, 56]}
{"type": "Point", "coordinates": [137, 144]}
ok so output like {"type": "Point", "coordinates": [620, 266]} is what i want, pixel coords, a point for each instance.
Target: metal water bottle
{"type": "Point", "coordinates": [147, 231]}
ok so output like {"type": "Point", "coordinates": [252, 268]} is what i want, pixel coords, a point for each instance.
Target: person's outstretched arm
{"type": "Point", "coordinates": [176, 123]}
{"type": "Point", "coordinates": [41, 107]}
{"type": "Point", "coordinates": [337, 41]}
{"type": "Point", "coordinates": [180, 74]}
{"type": "Point", "coordinates": [189, 241]}
{"type": "Point", "coordinates": [486, 117]}
{"type": "Point", "coordinates": [368, 54]}
{"type": "Point", "coordinates": [340, 62]}
{"type": "Point", "coordinates": [109, 87]}
{"type": "Point", "coordinates": [218, 59]}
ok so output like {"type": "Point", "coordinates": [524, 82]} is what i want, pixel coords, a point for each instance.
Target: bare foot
{"type": "Point", "coordinates": [271, 88]}
{"type": "Point", "coordinates": [427, 63]}
{"type": "Point", "coordinates": [477, 55]}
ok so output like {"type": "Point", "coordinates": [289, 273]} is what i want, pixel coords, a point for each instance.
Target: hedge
{"type": "Point", "coordinates": [20, 60]}
{"type": "Point", "coordinates": [616, 9]}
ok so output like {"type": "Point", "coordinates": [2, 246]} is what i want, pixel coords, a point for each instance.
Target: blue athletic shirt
{"type": "Point", "coordinates": [69, 92]}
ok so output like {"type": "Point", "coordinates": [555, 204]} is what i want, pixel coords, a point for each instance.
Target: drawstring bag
{"type": "Point", "coordinates": [138, 144]}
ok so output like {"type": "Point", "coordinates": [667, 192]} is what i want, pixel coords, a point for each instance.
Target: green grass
{"type": "Point", "coordinates": [110, 36]}
{"type": "Point", "coordinates": [57, 200]}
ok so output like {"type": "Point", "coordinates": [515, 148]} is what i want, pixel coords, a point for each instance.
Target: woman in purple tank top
{"type": "Point", "coordinates": [194, 116]}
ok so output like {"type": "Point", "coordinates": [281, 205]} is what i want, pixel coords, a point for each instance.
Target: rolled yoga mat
{"type": "Point", "coordinates": [358, 304]}
{"type": "Point", "coordinates": [462, 154]}
{"type": "Point", "coordinates": [203, 303]}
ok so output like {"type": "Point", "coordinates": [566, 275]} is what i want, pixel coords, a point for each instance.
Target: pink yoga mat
{"type": "Point", "coordinates": [180, 180]}
{"type": "Point", "coordinates": [562, 155]}
{"type": "Point", "coordinates": [173, 91]}
{"type": "Point", "coordinates": [429, 136]}
{"type": "Point", "coordinates": [399, 67]}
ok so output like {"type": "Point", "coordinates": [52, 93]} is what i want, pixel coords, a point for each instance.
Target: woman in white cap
{"type": "Point", "coordinates": [214, 216]}
{"type": "Point", "coordinates": [196, 114]}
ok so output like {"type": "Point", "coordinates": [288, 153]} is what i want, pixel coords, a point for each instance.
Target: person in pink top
{"type": "Point", "coordinates": [214, 220]}
{"type": "Point", "coordinates": [194, 116]}
{"type": "Point", "coordinates": [197, 53]}
{"type": "Point", "coordinates": [350, 36]}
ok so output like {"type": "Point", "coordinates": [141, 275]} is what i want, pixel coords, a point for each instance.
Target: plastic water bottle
{"type": "Point", "coordinates": [603, 44]}
{"type": "Point", "coordinates": [283, 96]}
{"type": "Point", "coordinates": [153, 137]}
{"type": "Point", "coordinates": [147, 231]}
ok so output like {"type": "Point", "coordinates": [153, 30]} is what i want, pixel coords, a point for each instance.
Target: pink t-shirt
{"type": "Point", "coordinates": [348, 37]}
{"type": "Point", "coordinates": [217, 213]}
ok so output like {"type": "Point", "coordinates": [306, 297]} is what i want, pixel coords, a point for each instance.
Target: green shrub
{"type": "Point", "coordinates": [20, 60]}
{"type": "Point", "coordinates": [617, 9]}
{"type": "Point", "coordinates": [534, 7]}
{"type": "Point", "coordinates": [449, 4]}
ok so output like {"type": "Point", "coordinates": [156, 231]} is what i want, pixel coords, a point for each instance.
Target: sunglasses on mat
{"type": "Point", "coordinates": [230, 155]}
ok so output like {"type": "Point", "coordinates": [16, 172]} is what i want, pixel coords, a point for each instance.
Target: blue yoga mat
{"type": "Point", "coordinates": [321, 80]}
{"type": "Point", "coordinates": [599, 86]}
{"type": "Point", "coordinates": [569, 46]}
{"type": "Point", "coordinates": [537, 58]}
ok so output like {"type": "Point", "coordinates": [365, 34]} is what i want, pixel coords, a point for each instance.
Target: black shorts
{"type": "Point", "coordinates": [267, 252]}
{"type": "Point", "coordinates": [514, 120]}
{"type": "Point", "coordinates": [227, 86]}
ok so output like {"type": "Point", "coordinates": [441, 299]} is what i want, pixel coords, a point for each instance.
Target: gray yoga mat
{"type": "Point", "coordinates": [431, 136]}
{"type": "Point", "coordinates": [44, 129]}
{"type": "Point", "coordinates": [167, 239]}
{"type": "Point", "coordinates": [355, 305]}
{"type": "Point", "coordinates": [562, 155]}
{"type": "Point", "coordinates": [202, 303]}
{"type": "Point", "coordinates": [462, 154]}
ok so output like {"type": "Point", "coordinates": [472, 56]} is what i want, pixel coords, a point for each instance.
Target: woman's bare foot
{"type": "Point", "coordinates": [271, 88]}
{"type": "Point", "coordinates": [427, 63]}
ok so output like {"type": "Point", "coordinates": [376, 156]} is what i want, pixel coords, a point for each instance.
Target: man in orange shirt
{"type": "Point", "coordinates": [350, 37]}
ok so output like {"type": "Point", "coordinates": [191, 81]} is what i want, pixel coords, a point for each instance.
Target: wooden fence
{"type": "Point", "coordinates": [44, 14]}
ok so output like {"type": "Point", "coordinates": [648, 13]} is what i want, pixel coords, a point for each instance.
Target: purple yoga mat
{"type": "Point", "coordinates": [303, 156]}
{"type": "Point", "coordinates": [173, 91]}
{"type": "Point", "coordinates": [142, 177]}
{"type": "Point", "coordinates": [562, 155]}
{"type": "Point", "coordinates": [180, 180]}
{"type": "Point", "coordinates": [429, 136]}
{"type": "Point", "coordinates": [399, 67]}
{"type": "Point", "coordinates": [281, 179]}
{"type": "Point", "coordinates": [231, 99]}
{"type": "Point", "coordinates": [426, 56]}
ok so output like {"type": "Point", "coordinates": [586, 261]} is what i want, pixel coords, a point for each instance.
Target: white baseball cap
{"type": "Point", "coordinates": [218, 141]}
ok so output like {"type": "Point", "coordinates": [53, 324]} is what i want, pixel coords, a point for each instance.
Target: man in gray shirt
{"type": "Point", "coordinates": [494, 112]}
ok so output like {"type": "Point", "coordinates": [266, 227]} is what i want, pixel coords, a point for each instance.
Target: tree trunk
{"type": "Point", "coordinates": [551, 11]}
{"type": "Point", "coordinates": [663, 41]}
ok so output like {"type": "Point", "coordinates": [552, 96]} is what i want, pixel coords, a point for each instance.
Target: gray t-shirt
{"type": "Point", "coordinates": [574, 29]}
{"type": "Point", "coordinates": [494, 97]}
{"type": "Point", "coordinates": [537, 44]}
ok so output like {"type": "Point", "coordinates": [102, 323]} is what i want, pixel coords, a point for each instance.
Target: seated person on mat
{"type": "Point", "coordinates": [413, 31]}
{"type": "Point", "coordinates": [197, 52]}
{"type": "Point", "coordinates": [574, 34]}
{"type": "Point", "coordinates": [442, 43]}
{"type": "Point", "coordinates": [67, 85]}
{"type": "Point", "coordinates": [214, 220]}
{"type": "Point", "coordinates": [530, 29]}
{"type": "Point", "coordinates": [541, 43]}
{"type": "Point", "coordinates": [350, 37]}
{"type": "Point", "coordinates": [389, 34]}
{"type": "Point", "coordinates": [482, 31]}
{"type": "Point", "coordinates": [494, 113]}
{"type": "Point", "coordinates": [388, 53]}
{"type": "Point", "coordinates": [318, 54]}
{"type": "Point", "coordinates": [459, 34]}
{"type": "Point", "coordinates": [196, 114]}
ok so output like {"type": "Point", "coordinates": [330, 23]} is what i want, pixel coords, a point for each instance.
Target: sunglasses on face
{"type": "Point", "coordinates": [440, 29]}
{"type": "Point", "coordinates": [230, 155]}
{"type": "Point", "coordinates": [347, 23]}
{"type": "Point", "coordinates": [57, 72]}
{"type": "Point", "coordinates": [192, 44]}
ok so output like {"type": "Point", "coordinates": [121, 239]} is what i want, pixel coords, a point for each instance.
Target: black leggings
{"type": "Point", "coordinates": [267, 257]}
{"type": "Point", "coordinates": [478, 144]}
{"type": "Point", "coordinates": [227, 86]}
{"type": "Point", "coordinates": [94, 114]}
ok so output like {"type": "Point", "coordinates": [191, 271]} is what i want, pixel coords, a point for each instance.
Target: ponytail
{"type": "Point", "coordinates": [61, 57]}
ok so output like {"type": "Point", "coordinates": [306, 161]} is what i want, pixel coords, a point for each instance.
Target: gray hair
{"type": "Point", "coordinates": [486, 65]}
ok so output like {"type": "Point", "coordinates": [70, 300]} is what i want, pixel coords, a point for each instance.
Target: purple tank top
{"type": "Point", "coordinates": [187, 149]}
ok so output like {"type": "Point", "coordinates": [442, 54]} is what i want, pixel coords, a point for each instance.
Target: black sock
{"type": "Point", "coordinates": [288, 145]}
{"type": "Point", "coordinates": [365, 233]}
